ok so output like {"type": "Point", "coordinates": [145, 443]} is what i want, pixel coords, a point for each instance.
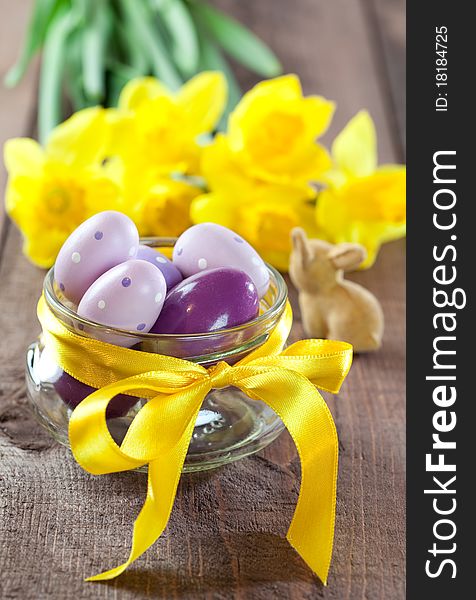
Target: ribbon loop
{"type": "Point", "coordinates": [160, 433]}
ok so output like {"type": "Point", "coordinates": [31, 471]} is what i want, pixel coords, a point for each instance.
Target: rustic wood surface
{"type": "Point", "coordinates": [225, 538]}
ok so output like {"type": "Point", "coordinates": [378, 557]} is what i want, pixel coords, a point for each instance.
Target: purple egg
{"type": "Point", "coordinates": [72, 392]}
{"type": "Point", "coordinates": [128, 296]}
{"type": "Point", "coordinates": [100, 243]}
{"type": "Point", "coordinates": [169, 270]}
{"type": "Point", "coordinates": [208, 246]}
{"type": "Point", "coordinates": [208, 301]}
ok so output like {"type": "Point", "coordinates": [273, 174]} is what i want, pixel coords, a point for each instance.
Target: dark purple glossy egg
{"type": "Point", "coordinates": [208, 301]}
{"type": "Point", "coordinates": [72, 392]}
{"type": "Point", "coordinates": [170, 272]}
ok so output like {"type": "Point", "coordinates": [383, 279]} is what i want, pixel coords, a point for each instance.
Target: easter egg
{"type": "Point", "coordinates": [169, 270]}
{"type": "Point", "coordinates": [208, 246]}
{"type": "Point", "coordinates": [128, 296]}
{"type": "Point", "coordinates": [100, 243]}
{"type": "Point", "coordinates": [208, 301]}
{"type": "Point", "coordinates": [72, 392]}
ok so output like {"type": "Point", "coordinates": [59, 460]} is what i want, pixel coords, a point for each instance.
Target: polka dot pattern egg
{"type": "Point", "coordinates": [208, 246]}
{"type": "Point", "coordinates": [169, 270]}
{"type": "Point", "coordinates": [214, 281]}
{"type": "Point", "coordinates": [129, 296]}
{"type": "Point", "coordinates": [100, 243]}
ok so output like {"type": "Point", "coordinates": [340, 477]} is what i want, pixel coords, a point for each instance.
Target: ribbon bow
{"type": "Point", "coordinates": [160, 433]}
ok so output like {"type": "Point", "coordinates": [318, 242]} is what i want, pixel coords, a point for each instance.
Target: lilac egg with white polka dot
{"type": "Point", "coordinates": [209, 246]}
{"type": "Point", "coordinates": [169, 270]}
{"type": "Point", "coordinates": [128, 296]}
{"type": "Point", "coordinates": [100, 243]}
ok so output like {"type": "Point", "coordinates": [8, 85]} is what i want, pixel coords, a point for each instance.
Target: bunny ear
{"type": "Point", "coordinates": [300, 244]}
{"type": "Point", "coordinates": [347, 256]}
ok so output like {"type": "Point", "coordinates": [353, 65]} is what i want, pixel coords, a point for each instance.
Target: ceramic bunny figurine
{"type": "Point", "coordinates": [330, 306]}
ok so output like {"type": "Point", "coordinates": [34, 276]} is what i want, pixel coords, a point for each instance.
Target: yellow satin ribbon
{"type": "Point", "coordinates": [160, 433]}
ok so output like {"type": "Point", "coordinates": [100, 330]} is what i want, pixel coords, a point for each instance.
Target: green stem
{"type": "Point", "coordinates": [238, 41]}
{"type": "Point", "coordinates": [141, 20]}
{"type": "Point", "coordinates": [212, 59]}
{"type": "Point", "coordinates": [133, 53]}
{"type": "Point", "coordinates": [95, 39]}
{"type": "Point", "coordinates": [52, 68]}
{"type": "Point", "coordinates": [42, 15]}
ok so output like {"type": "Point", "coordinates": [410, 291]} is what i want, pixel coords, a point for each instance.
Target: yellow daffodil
{"type": "Point", "coordinates": [272, 132]}
{"type": "Point", "coordinates": [259, 173]}
{"type": "Point", "coordinates": [224, 174]}
{"type": "Point", "coordinates": [264, 219]}
{"type": "Point", "coordinates": [158, 130]}
{"type": "Point", "coordinates": [257, 178]}
{"type": "Point", "coordinates": [163, 209]}
{"type": "Point", "coordinates": [267, 226]}
{"type": "Point", "coordinates": [363, 203]}
{"type": "Point", "coordinates": [52, 190]}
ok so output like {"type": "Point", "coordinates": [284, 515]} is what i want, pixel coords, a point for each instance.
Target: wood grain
{"type": "Point", "coordinates": [388, 33]}
{"type": "Point", "coordinates": [225, 539]}
{"type": "Point", "coordinates": [17, 105]}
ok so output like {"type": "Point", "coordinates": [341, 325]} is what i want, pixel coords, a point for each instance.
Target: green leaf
{"type": "Point", "coordinates": [141, 17]}
{"type": "Point", "coordinates": [130, 51]}
{"type": "Point", "coordinates": [95, 40]}
{"type": "Point", "coordinates": [238, 41]}
{"type": "Point", "coordinates": [211, 59]}
{"type": "Point", "coordinates": [180, 26]}
{"type": "Point", "coordinates": [125, 71]}
{"type": "Point", "coordinates": [116, 80]}
{"type": "Point", "coordinates": [43, 11]}
{"type": "Point", "coordinates": [74, 71]}
{"type": "Point", "coordinates": [52, 69]}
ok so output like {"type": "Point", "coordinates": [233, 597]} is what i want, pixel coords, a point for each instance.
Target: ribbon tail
{"type": "Point", "coordinates": [163, 478]}
{"type": "Point", "coordinates": [309, 421]}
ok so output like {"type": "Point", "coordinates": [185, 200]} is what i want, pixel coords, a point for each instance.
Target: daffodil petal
{"type": "Point", "coordinates": [265, 222]}
{"type": "Point", "coordinates": [21, 194]}
{"type": "Point", "coordinates": [264, 96]}
{"type": "Point", "coordinates": [160, 207]}
{"type": "Point", "coordinates": [140, 90]}
{"type": "Point", "coordinates": [80, 140]}
{"type": "Point", "coordinates": [369, 211]}
{"type": "Point", "coordinates": [203, 100]}
{"type": "Point", "coordinates": [355, 147]}
{"type": "Point", "coordinates": [334, 178]}
{"type": "Point", "coordinates": [219, 169]}
{"type": "Point", "coordinates": [318, 112]}
{"type": "Point", "coordinates": [215, 208]}
{"type": "Point", "coordinates": [307, 165]}
{"type": "Point", "coordinates": [287, 86]}
{"type": "Point", "coordinates": [121, 131]}
{"type": "Point", "coordinates": [272, 133]}
{"type": "Point", "coordinates": [23, 156]}
{"type": "Point", "coordinates": [101, 193]}
{"type": "Point", "coordinates": [392, 168]}
{"type": "Point", "coordinates": [42, 247]}
{"type": "Point", "coordinates": [373, 235]}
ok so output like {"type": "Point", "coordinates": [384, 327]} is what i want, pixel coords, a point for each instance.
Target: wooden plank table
{"type": "Point", "coordinates": [225, 538]}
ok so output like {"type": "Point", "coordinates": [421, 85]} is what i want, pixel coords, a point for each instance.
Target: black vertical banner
{"type": "Point", "coordinates": [441, 367]}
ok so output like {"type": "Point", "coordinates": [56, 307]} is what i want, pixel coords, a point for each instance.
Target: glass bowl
{"type": "Point", "coordinates": [230, 425]}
